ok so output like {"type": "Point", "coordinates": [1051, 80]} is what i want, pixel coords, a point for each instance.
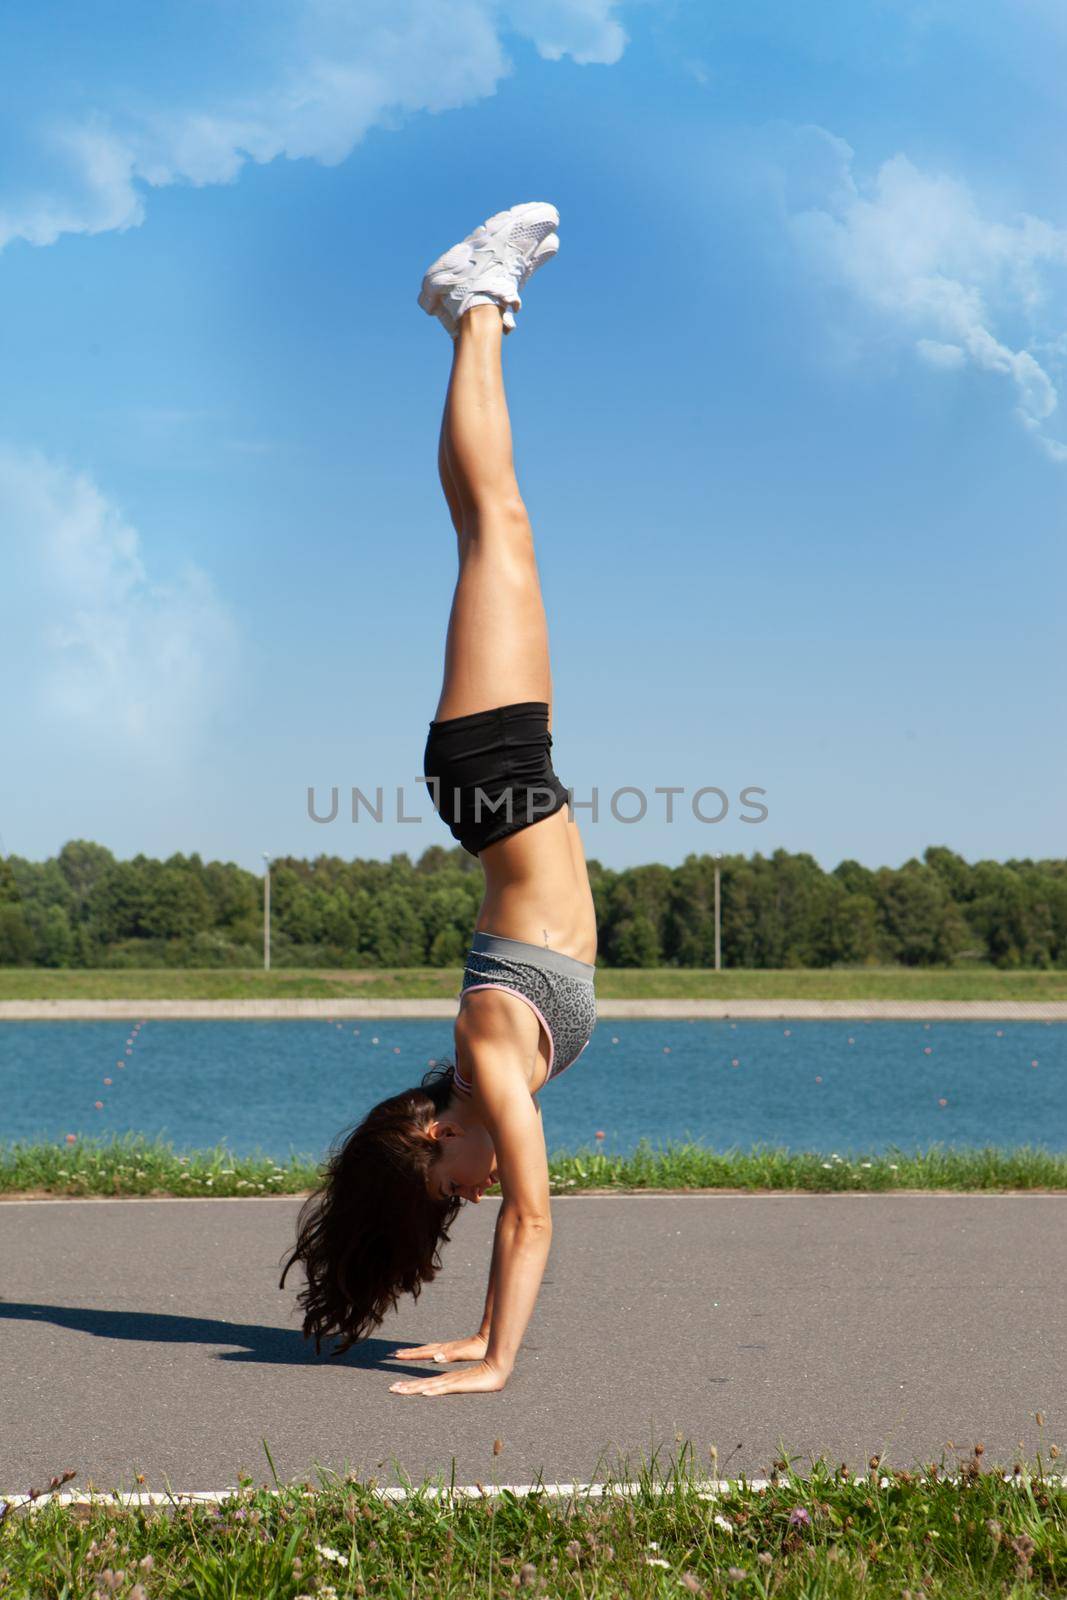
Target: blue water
{"type": "Point", "coordinates": [295, 1086]}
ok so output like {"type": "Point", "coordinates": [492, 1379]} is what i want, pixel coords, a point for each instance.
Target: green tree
{"type": "Point", "coordinates": [16, 937]}
{"type": "Point", "coordinates": [851, 927]}
{"type": "Point", "coordinates": [86, 908]}
{"type": "Point", "coordinates": [55, 942]}
{"type": "Point", "coordinates": [297, 908]}
{"type": "Point", "coordinates": [9, 893]}
{"type": "Point", "coordinates": [855, 878]}
{"type": "Point", "coordinates": [801, 900]}
{"type": "Point", "coordinates": [83, 864]}
{"type": "Point", "coordinates": [953, 871]}
{"type": "Point", "coordinates": [635, 943]}
{"type": "Point", "coordinates": [176, 904]}
{"type": "Point", "coordinates": [689, 939]}
{"type": "Point", "coordinates": [449, 948]}
{"type": "Point", "coordinates": [448, 911]}
{"type": "Point", "coordinates": [339, 925]}
{"type": "Point", "coordinates": [114, 906]}
{"type": "Point", "coordinates": [920, 925]}
{"type": "Point", "coordinates": [236, 897]}
{"type": "Point", "coordinates": [1013, 916]}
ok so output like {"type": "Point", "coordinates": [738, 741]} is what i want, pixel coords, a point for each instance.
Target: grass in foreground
{"type": "Point", "coordinates": [972, 982]}
{"type": "Point", "coordinates": [134, 1165]}
{"type": "Point", "coordinates": [906, 1535]}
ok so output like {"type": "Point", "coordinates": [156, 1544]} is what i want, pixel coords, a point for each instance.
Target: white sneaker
{"type": "Point", "coordinates": [491, 265]}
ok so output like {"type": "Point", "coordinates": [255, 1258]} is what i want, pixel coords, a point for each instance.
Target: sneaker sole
{"type": "Point", "coordinates": [447, 270]}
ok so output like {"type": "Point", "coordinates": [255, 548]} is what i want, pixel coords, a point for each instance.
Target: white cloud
{"type": "Point", "coordinates": [941, 355]}
{"type": "Point", "coordinates": [109, 651]}
{"type": "Point", "coordinates": [914, 248]}
{"type": "Point", "coordinates": [333, 69]}
{"type": "Point", "coordinates": [92, 188]}
{"type": "Point", "coordinates": [583, 29]}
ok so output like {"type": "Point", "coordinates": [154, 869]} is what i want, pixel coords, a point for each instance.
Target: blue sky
{"type": "Point", "coordinates": [786, 411]}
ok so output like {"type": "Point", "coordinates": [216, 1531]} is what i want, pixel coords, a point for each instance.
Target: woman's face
{"type": "Point", "coordinates": [467, 1164]}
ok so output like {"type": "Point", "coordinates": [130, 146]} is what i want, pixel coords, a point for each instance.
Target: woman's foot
{"type": "Point", "coordinates": [491, 265]}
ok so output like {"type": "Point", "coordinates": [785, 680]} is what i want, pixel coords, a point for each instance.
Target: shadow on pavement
{"type": "Point", "coordinates": [272, 1346]}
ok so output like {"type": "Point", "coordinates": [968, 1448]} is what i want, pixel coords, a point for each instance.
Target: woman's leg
{"type": "Point", "coordinates": [537, 886]}
{"type": "Point", "coordinates": [496, 651]}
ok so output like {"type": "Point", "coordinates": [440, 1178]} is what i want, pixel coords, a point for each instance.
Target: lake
{"type": "Point", "coordinates": [284, 1087]}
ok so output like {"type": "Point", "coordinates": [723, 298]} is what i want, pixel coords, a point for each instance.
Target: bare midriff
{"type": "Point", "coordinates": [537, 888]}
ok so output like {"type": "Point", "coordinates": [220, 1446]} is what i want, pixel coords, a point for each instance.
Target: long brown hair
{"type": "Point", "coordinates": [373, 1231]}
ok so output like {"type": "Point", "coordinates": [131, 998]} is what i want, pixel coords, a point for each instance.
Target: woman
{"type": "Point", "coordinates": [527, 1005]}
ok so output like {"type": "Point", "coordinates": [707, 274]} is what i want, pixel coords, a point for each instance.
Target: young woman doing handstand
{"type": "Point", "coordinates": [527, 1004]}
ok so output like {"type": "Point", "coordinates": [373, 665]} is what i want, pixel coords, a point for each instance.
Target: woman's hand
{"type": "Point", "coordinates": [480, 1379]}
{"type": "Point", "coordinates": [472, 1349]}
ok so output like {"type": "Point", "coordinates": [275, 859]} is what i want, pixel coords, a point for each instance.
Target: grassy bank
{"type": "Point", "coordinates": [613, 983]}
{"type": "Point", "coordinates": [887, 1533]}
{"type": "Point", "coordinates": [135, 1166]}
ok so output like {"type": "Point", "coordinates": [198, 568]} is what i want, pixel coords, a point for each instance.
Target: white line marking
{"type": "Point", "coordinates": [709, 1489]}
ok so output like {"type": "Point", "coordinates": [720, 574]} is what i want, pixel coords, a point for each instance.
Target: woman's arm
{"type": "Point", "coordinates": [475, 1347]}
{"type": "Point", "coordinates": [523, 1235]}
{"type": "Point", "coordinates": [471, 1349]}
{"type": "Point", "coordinates": [520, 1253]}
{"type": "Point", "coordinates": [487, 1316]}
{"type": "Point", "coordinates": [490, 1293]}
{"type": "Point", "coordinates": [520, 1250]}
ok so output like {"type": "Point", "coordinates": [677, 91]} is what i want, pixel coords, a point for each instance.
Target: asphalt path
{"type": "Point", "coordinates": [150, 1337]}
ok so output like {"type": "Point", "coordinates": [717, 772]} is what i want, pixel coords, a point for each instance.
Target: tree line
{"type": "Point", "coordinates": [86, 908]}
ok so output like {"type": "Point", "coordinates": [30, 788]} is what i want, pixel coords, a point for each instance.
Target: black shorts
{"type": "Point", "coordinates": [490, 773]}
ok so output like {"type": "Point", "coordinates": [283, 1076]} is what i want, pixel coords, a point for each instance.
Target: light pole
{"type": "Point", "coordinates": [718, 915]}
{"type": "Point", "coordinates": [266, 913]}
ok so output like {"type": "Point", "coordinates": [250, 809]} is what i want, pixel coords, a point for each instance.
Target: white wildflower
{"type": "Point", "coordinates": [724, 1523]}
{"type": "Point", "coordinates": [328, 1553]}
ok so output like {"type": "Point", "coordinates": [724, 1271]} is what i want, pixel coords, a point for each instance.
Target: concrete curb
{"type": "Point", "coordinates": [735, 1010]}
